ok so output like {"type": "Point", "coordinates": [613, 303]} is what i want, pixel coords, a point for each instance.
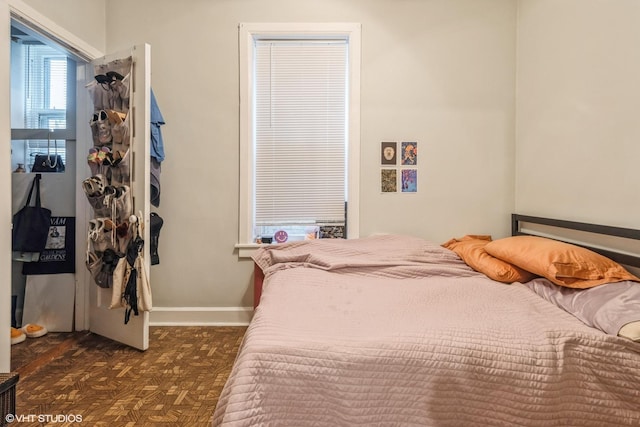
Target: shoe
{"type": "Point", "coordinates": [100, 128]}
{"type": "Point", "coordinates": [103, 79]}
{"type": "Point", "coordinates": [120, 174]}
{"type": "Point", "coordinates": [102, 203]}
{"type": "Point", "coordinates": [119, 130]}
{"type": "Point", "coordinates": [123, 236]}
{"type": "Point", "coordinates": [100, 155]}
{"type": "Point", "coordinates": [98, 206]}
{"type": "Point", "coordinates": [113, 75]}
{"type": "Point", "coordinates": [17, 336]}
{"type": "Point", "coordinates": [93, 264]}
{"type": "Point", "coordinates": [95, 185]}
{"type": "Point", "coordinates": [120, 94]}
{"type": "Point", "coordinates": [112, 158]}
{"type": "Point", "coordinates": [93, 155]}
{"type": "Point", "coordinates": [96, 158]}
{"type": "Point", "coordinates": [115, 117]}
{"type": "Point", "coordinates": [115, 203]}
{"type": "Point", "coordinates": [101, 234]}
{"type": "Point", "coordinates": [124, 207]}
{"type": "Point", "coordinates": [34, 331]}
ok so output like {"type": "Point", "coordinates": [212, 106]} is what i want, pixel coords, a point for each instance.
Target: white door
{"type": "Point", "coordinates": [103, 320]}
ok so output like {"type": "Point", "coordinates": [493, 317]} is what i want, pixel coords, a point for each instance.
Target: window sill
{"type": "Point", "coordinates": [246, 250]}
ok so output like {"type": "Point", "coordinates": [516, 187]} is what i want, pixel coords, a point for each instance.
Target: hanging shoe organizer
{"type": "Point", "coordinates": [108, 189]}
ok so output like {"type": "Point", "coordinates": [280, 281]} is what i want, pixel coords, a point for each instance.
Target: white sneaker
{"type": "Point", "coordinates": [100, 235]}
{"type": "Point", "coordinates": [100, 128]}
{"type": "Point", "coordinates": [95, 185]}
{"type": "Point", "coordinates": [124, 207]}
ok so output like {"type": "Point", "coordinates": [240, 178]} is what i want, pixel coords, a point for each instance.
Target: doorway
{"type": "Point", "coordinates": [43, 126]}
{"type": "Point", "coordinates": [90, 309]}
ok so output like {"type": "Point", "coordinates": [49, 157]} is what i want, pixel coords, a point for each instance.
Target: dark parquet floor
{"type": "Point", "coordinates": [176, 382]}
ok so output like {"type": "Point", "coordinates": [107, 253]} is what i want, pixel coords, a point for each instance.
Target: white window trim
{"type": "Point", "coordinates": [248, 32]}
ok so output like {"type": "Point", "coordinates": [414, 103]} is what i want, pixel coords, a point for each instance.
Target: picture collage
{"type": "Point", "coordinates": [403, 179]}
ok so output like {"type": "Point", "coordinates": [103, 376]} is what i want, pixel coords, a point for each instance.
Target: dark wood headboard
{"type": "Point", "coordinates": [627, 233]}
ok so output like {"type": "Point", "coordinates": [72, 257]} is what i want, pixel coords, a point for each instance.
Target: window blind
{"type": "Point", "coordinates": [300, 131]}
{"type": "Point", "coordinates": [45, 88]}
{"type": "Point", "coordinates": [46, 98]}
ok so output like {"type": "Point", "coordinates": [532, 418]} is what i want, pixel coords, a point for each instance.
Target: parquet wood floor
{"type": "Point", "coordinates": [176, 382]}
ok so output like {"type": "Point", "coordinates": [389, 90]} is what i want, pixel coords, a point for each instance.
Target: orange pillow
{"type": "Point", "coordinates": [471, 249]}
{"type": "Point", "coordinates": [562, 263]}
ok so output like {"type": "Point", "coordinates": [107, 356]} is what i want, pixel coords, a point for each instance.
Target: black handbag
{"type": "Point", "coordinates": [47, 163]}
{"type": "Point", "coordinates": [31, 224]}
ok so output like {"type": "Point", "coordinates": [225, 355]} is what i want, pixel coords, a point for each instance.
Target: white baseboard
{"type": "Point", "coordinates": [200, 316]}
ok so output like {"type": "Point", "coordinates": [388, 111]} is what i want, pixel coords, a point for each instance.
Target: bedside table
{"type": "Point", "coordinates": [258, 278]}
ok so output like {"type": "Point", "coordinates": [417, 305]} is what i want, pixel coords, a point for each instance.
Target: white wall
{"type": "Point", "coordinates": [85, 19]}
{"type": "Point", "coordinates": [440, 72]}
{"type": "Point", "coordinates": [578, 105]}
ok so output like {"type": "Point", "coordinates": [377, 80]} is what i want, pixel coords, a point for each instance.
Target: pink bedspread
{"type": "Point", "coordinates": [393, 330]}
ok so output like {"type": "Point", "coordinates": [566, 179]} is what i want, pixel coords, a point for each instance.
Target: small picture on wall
{"type": "Point", "coordinates": [409, 180]}
{"type": "Point", "coordinates": [409, 153]}
{"type": "Point", "coordinates": [388, 181]}
{"type": "Point", "coordinates": [388, 154]}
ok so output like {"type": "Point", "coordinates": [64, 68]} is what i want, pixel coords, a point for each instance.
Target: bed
{"type": "Point", "coordinates": [395, 330]}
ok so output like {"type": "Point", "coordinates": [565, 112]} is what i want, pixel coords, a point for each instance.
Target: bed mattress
{"type": "Point", "coordinates": [395, 330]}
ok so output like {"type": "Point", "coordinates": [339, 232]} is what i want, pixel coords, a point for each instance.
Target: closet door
{"type": "Point", "coordinates": [102, 319]}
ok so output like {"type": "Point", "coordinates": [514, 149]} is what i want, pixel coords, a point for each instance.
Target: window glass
{"type": "Point", "coordinates": [38, 87]}
{"type": "Point", "coordinates": [40, 104]}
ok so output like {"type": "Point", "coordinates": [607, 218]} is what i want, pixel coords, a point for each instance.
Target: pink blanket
{"type": "Point", "coordinates": [394, 330]}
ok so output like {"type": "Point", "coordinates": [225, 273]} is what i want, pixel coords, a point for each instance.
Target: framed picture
{"type": "Point", "coordinates": [409, 178]}
{"type": "Point", "coordinates": [388, 153]}
{"type": "Point", "coordinates": [388, 181]}
{"type": "Point", "coordinates": [409, 153]}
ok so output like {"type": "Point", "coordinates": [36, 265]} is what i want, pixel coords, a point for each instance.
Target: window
{"type": "Point", "coordinates": [42, 98]}
{"type": "Point", "coordinates": [299, 130]}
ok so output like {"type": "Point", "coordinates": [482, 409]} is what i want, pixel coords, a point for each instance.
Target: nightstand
{"type": "Point", "coordinates": [258, 278]}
